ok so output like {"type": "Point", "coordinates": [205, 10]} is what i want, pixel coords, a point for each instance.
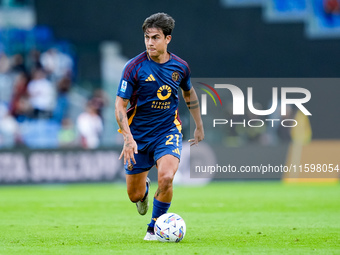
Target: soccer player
{"type": "Point", "coordinates": [151, 127]}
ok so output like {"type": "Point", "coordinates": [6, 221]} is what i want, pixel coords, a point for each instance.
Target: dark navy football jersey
{"type": "Point", "coordinates": [152, 89]}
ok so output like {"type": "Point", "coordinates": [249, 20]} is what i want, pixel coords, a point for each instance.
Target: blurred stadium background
{"type": "Point", "coordinates": [73, 52]}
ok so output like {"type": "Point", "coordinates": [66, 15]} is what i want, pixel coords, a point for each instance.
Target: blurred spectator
{"type": "Point", "coordinates": [6, 80]}
{"type": "Point", "coordinates": [5, 63]}
{"type": "Point", "coordinates": [33, 60]}
{"type": "Point", "coordinates": [62, 104]}
{"type": "Point", "coordinates": [90, 127]}
{"type": "Point", "coordinates": [8, 128]}
{"type": "Point", "coordinates": [18, 64]}
{"type": "Point", "coordinates": [67, 134]}
{"type": "Point", "coordinates": [99, 100]}
{"type": "Point", "coordinates": [20, 107]}
{"type": "Point", "coordinates": [57, 64]}
{"type": "Point", "coordinates": [332, 6]}
{"type": "Point", "coordinates": [41, 95]}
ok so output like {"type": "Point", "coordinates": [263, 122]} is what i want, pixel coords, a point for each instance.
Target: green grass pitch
{"type": "Point", "coordinates": [221, 218]}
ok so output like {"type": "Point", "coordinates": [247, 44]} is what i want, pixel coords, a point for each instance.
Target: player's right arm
{"type": "Point", "coordinates": [130, 145]}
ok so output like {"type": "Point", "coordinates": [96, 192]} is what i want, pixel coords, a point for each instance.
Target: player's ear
{"type": "Point", "coordinates": [168, 39]}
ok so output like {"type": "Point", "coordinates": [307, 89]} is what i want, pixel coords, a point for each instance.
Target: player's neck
{"type": "Point", "coordinates": [161, 58]}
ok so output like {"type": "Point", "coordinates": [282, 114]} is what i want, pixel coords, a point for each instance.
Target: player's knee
{"type": "Point", "coordinates": [165, 181]}
{"type": "Point", "coordinates": [135, 196]}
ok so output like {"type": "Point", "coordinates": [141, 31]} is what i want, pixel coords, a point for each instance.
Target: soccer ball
{"type": "Point", "coordinates": [170, 227]}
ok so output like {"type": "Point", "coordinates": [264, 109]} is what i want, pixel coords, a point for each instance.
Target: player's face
{"type": "Point", "coordinates": [156, 42]}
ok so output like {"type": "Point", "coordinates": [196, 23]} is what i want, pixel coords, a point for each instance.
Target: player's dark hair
{"type": "Point", "coordinates": [161, 21]}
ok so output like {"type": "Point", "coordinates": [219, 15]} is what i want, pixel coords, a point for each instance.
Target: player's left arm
{"type": "Point", "coordinates": [191, 99]}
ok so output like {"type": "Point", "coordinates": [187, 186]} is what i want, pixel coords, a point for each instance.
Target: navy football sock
{"type": "Point", "coordinates": [159, 208]}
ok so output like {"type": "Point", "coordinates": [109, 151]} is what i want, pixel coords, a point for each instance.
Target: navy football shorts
{"type": "Point", "coordinates": [169, 143]}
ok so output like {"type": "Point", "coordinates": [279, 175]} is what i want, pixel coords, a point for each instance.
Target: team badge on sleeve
{"type": "Point", "coordinates": [123, 87]}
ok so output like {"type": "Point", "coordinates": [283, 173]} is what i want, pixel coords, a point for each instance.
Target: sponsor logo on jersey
{"type": "Point", "coordinates": [160, 105]}
{"type": "Point", "coordinates": [164, 92]}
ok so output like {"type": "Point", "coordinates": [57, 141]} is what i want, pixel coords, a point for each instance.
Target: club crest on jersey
{"type": "Point", "coordinates": [164, 92]}
{"type": "Point", "coordinates": [175, 76]}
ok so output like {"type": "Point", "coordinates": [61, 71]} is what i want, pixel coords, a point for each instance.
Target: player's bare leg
{"type": "Point", "coordinates": [167, 167]}
{"type": "Point", "coordinates": [136, 189]}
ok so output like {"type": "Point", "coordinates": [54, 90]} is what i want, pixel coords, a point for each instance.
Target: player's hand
{"type": "Point", "coordinates": [129, 151]}
{"type": "Point", "coordinates": [198, 136]}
